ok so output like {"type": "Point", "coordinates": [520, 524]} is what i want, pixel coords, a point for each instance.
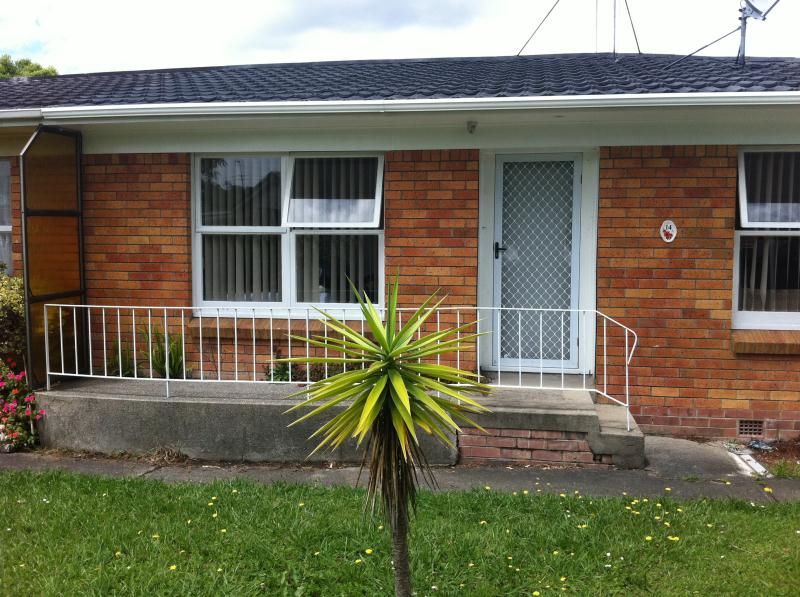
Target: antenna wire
{"type": "Point", "coordinates": [539, 26]}
{"type": "Point", "coordinates": [633, 27]}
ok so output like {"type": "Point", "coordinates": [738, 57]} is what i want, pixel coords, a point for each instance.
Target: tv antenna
{"type": "Point", "coordinates": [752, 9]}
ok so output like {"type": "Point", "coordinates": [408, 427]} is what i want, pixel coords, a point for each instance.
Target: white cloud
{"type": "Point", "coordinates": [91, 35]}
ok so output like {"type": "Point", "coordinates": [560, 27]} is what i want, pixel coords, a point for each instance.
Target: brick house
{"type": "Point", "coordinates": [665, 198]}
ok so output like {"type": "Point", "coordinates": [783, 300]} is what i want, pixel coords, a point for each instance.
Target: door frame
{"type": "Point", "coordinates": [589, 160]}
{"type": "Point", "coordinates": [500, 161]}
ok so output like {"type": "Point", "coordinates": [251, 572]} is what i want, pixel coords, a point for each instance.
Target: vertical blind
{"type": "Point", "coordinates": [247, 265]}
{"type": "Point", "coordinates": [325, 262]}
{"type": "Point", "coordinates": [333, 191]}
{"type": "Point", "coordinates": [772, 183]}
{"type": "Point", "coordinates": [5, 214]}
{"type": "Point", "coordinates": [769, 274]}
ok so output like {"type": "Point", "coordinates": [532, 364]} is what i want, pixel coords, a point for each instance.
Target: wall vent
{"type": "Point", "coordinates": [751, 428]}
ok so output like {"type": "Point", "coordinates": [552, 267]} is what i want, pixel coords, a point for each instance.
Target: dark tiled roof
{"type": "Point", "coordinates": [487, 77]}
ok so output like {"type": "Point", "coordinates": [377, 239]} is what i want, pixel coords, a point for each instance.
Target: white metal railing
{"type": "Point", "coordinates": [548, 349]}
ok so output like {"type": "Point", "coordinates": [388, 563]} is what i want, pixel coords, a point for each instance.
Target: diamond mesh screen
{"type": "Point", "coordinates": [537, 265]}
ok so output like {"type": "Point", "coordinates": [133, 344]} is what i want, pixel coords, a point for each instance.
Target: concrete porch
{"type": "Point", "coordinates": [245, 422]}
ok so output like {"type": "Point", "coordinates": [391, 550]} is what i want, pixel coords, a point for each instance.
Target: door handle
{"type": "Point", "coordinates": [498, 249]}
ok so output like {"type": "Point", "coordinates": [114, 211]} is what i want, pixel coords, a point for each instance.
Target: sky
{"type": "Point", "coordinates": [99, 35]}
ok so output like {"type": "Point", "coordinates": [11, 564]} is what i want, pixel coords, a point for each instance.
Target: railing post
{"type": "Point", "coordinates": [627, 388]}
{"type": "Point", "coordinates": [46, 350]}
{"type": "Point", "coordinates": [166, 351]}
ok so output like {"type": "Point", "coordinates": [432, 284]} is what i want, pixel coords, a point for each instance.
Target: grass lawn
{"type": "Point", "coordinates": [76, 535]}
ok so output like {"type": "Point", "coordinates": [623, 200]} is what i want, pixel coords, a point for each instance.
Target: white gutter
{"type": "Point", "coordinates": [24, 114]}
{"type": "Point", "coordinates": [422, 105]}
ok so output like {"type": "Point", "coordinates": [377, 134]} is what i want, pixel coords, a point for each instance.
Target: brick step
{"type": "Point", "coordinates": [530, 426]}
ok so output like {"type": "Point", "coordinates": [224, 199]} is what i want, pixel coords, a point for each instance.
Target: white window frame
{"type": "Point", "coordinates": [759, 320]}
{"type": "Point", "coordinates": [287, 191]}
{"type": "Point", "coordinates": [289, 306]}
{"type": "Point", "coordinates": [743, 214]}
{"type": "Point", "coordinates": [9, 228]}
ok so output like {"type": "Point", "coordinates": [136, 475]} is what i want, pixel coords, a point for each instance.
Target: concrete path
{"type": "Point", "coordinates": [688, 469]}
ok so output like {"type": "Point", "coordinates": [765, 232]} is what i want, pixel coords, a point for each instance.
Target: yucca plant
{"type": "Point", "coordinates": [390, 390]}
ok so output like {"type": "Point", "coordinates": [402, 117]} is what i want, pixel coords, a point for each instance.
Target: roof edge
{"type": "Point", "coordinates": [129, 111]}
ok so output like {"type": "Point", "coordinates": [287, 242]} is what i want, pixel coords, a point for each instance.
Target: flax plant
{"type": "Point", "coordinates": [390, 390]}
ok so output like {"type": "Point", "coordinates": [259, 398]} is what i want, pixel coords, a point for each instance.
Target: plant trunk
{"type": "Point", "coordinates": [402, 570]}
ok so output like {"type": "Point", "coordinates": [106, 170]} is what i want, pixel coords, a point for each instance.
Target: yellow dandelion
{"type": "Point", "coordinates": [214, 515]}
{"type": "Point", "coordinates": [483, 522]}
{"type": "Point", "coordinates": [513, 493]}
{"type": "Point", "coordinates": [380, 527]}
{"type": "Point", "coordinates": [214, 498]}
{"type": "Point", "coordinates": [156, 536]}
{"type": "Point", "coordinates": [173, 567]}
{"type": "Point", "coordinates": [563, 579]}
{"type": "Point", "coordinates": [658, 505]}
{"type": "Point", "coordinates": [368, 551]}
{"type": "Point", "coordinates": [210, 503]}
{"type": "Point", "coordinates": [235, 491]}
{"type": "Point", "coordinates": [628, 508]}
{"type": "Point", "coordinates": [189, 521]}
{"type": "Point", "coordinates": [488, 488]}
{"type": "Point", "coordinates": [636, 512]}
{"type": "Point", "coordinates": [648, 538]}
{"type": "Point", "coordinates": [624, 493]}
{"type": "Point", "coordinates": [316, 553]}
{"type": "Point", "coordinates": [524, 492]}
{"type": "Point", "coordinates": [666, 524]}
{"type": "Point", "coordinates": [645, 500]}
{"type": "Point", "coordinates": [536, 594]}
{"type": "Point", "coordinates": [470, 565]}
{"type": "Point", "coordinates": [223, 530]}
{"type": "Point", "coordinates": [668, 489]}
{"type": "Point", "coordinates": [219, 569]}
{"type": "Point", "coordinates": [673, 538]}
{"type": "Point", "coordinates": [358, 561]}
{"type": "Point", "coordinates": [680, 509]}
{"type": "Point", "coordinates": [301, 504]}
{"type": "Point", "coordinates": [768, 490]}
{"type": "Point", "coordinates": [118, 554]}
{"type": "Point", "coordinates": [657, 517]}
{"type": "Point", "coordinates": [727, 482]}
{"type": "Point", "coordinates": [555, 553]}
{"type": "Point", "coordinates": [562, 495]}
{"type": "Point", "coordinates": [510, 557]}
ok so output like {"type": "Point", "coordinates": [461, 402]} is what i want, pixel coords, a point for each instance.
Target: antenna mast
{"type": "Point", "coordinates": [750, 9]}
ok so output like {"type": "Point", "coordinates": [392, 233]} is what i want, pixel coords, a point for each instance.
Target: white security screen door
{"type": "Point", "coordinates": [536, 249]}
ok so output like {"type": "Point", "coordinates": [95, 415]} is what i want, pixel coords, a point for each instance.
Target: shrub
{"type": "Point", "coordinates": [12, 315]}
{"type": "Point", "coordinates": [163, 353]}
{"type": "Point", "coordinates": [18, 410]}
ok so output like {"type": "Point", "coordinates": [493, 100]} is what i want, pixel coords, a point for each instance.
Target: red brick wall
{"type": "Point", "coordinates": [16, 222]}
{"type": "Point", "coordinates": [137, 229]}
{"type": "Point", "coordinates": [431, 222]}
{"type": "Point", "coordinates": [685, 378]}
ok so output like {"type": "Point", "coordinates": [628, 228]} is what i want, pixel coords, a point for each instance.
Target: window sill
{"type": "Point", "coordinates": [775, 342]}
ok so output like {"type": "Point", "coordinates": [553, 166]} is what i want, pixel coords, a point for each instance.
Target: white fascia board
{"type": "Point", "coordinates": [88, 113]}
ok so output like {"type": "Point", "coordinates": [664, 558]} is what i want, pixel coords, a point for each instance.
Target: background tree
{"type": "Point", "coordinates": [394, 387]}
{"type": "Point", "coordinates": [24, 67]}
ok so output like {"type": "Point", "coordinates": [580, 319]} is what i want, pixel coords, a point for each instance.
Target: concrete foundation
{"type": "Point", "coordinates": [246, 422]}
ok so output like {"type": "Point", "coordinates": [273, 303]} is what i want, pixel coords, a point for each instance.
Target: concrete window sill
{"type": "Point", "coordinates": [777, 342]}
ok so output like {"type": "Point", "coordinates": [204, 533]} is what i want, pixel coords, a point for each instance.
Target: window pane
{"type": "Point", "coordinates": [333, 191]}
{"type": "Point", "coordinates": [241, 191]}
{"type": "Point", "coordinates": [325, 262]}
{"type": "Point", "coordinates": [772, 180]}
{"type": "Point", "coordinates": [5, 193]}
{"type": "Point", "coordinates": [242, 268]}
{"type": "Point", "coordinates": [5, 250]}
{"type": "Point", "coordinates": [769, 273]}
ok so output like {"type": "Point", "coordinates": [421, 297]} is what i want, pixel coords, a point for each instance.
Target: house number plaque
{"type": "Point", "coordinates": [668, 231]}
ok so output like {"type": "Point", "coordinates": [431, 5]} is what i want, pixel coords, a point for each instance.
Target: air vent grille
{"type": "Point", "coordinates": [751, 428]}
